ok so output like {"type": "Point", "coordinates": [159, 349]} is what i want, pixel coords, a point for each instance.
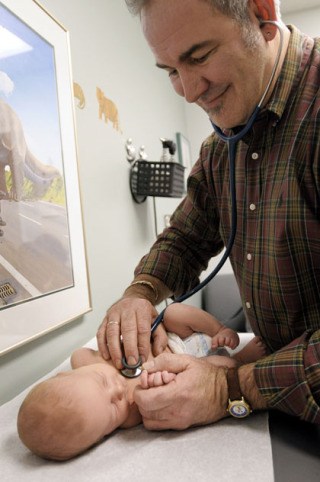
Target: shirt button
{"type": "Point", "coordinates": [249, 257]}
{"type": "Point", "coordinates": [248, 305]}
{"type": "Point", "coordinates": [255, 155]}
{"type": "Point", "coordinates": [253, 207]}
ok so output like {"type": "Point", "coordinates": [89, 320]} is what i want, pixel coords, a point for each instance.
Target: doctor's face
{"type": "Point", "coordinates": [209, 59]}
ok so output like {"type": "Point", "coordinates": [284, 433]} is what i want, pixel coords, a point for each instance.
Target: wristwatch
{"type": "Point", "coordinates": [238, 407]}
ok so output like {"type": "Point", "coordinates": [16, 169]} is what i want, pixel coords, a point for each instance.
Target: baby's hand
{"type": "Point", "coordinates": [225, 337]}
{"type": "Point", "coordinates": [149, 380]}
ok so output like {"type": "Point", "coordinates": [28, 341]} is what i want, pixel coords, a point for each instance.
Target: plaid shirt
{"type": "Point", "coordinates": [276, 253]}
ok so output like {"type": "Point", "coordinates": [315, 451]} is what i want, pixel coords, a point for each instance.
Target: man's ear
{"type": "Point", "coordinates": [264, 10]}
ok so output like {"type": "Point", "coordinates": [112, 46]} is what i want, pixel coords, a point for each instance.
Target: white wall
{"type": "Point", "coordinates": [108, 51]}
{"type": "Point", "coordinates": [307, 21]}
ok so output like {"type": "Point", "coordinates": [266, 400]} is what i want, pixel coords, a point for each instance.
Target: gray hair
{"type": "Point", "coordinates": [236, 9]}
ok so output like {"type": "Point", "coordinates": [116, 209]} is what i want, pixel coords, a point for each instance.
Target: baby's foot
{"type": "Point", "coordinates": [252, 351]}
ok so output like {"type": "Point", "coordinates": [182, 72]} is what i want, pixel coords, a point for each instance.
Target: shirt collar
{"type": "Point", "coordinates": [297, 56]}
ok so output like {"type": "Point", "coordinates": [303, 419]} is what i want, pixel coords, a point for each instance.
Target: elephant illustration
{"type": "Point", "coordinates": [14, 153]}
{"type": "Point", "coordinates": [78, 93]}
{"type": "Point", "coordinates": [108, 109]}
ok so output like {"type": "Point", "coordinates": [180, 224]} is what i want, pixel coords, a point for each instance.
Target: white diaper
{"type": "Point", "coordinates": [197, 344]}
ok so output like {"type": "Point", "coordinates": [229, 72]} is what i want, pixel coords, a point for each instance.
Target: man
{"type": "Point", "coordinates": [220, 55]}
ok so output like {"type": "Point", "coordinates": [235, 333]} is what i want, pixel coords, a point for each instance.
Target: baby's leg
{"type": "Point", "coordinates": [149, 380]}
{"type": "Point", "coordinates": [185, 319]}
{"type": "Point", "coordinates": [253, 351]}
{"type": "Point", "coordinates": [176, 319]}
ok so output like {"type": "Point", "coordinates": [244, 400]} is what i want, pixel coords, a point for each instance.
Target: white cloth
{"type": "Point", "coordinates": [228, 450]}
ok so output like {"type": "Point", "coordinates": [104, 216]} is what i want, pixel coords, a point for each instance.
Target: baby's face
{"type": "Point", "coordinates": [101, 395]}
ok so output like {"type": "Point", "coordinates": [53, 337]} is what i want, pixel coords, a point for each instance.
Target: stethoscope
{"type": "Point", "coordinates": [132, 371]}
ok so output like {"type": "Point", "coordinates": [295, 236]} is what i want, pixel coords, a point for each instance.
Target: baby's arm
{"type": "Point", "coordinates": [149, 380]}
{"type": "Point", "coordinates": [185, 320]}
{"type": "Point", "coordinates": [85, 356]}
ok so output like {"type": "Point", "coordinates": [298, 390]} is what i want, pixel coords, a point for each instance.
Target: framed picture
{"type": "Point", "coordinates": [43, 269]}
{"type": "Point", "coordinates": [184, 152]}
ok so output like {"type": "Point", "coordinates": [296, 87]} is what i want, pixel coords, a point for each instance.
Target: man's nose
{"type": "Point", "coordinates": [193, 86]}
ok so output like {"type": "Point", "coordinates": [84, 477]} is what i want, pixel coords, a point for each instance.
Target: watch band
{"type": "Point", "coordinates": [233, 384]}
{"type": "Point", "coordinates": [238, 407]}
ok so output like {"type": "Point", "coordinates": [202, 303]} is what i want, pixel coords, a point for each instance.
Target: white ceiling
{"type": "Point", "coordinates": [295, 5]}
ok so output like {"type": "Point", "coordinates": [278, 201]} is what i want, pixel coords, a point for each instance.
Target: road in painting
{"type": "Point", "coordinates": [35, 256]}
{"type": "Point", "coordinates": [34, 253]}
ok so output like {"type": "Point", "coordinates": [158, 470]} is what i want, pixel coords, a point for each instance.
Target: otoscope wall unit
{"type": "Point", "coordinates": [164, 178]}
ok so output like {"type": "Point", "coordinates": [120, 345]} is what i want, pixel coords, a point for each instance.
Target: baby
{"type": "Point", "coordinates": [65, 415]}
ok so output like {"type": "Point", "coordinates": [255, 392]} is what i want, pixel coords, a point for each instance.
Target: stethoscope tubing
{"type": "Point", "coordinates": [232, 147]}
{"type": "Point", "coordinates": [232, 155]}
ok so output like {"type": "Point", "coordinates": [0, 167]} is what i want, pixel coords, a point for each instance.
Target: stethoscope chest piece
{"type": "Point", "coordinates": [131, 372]}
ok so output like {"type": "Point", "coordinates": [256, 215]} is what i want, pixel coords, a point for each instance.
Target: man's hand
{"type": "Point", "coordinates": [131, 318]}
{"type": "Point", "coordinates": [197, 395]}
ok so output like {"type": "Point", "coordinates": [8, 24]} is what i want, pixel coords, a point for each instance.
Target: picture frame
{"type": "Point", "coordinates": [184, 151]}
{"type": "Point", "coordinates": [44, 280]}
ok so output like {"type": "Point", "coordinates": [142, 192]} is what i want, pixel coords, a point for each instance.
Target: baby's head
{"type": "Point", "coordinates": [65, 415]}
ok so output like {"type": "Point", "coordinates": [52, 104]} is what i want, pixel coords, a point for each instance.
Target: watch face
{"type": "Point", "coordinates": [239, 410]}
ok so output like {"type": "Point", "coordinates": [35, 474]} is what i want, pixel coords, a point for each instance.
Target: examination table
{"type": "Point", "coordinates": [226, 451]}
{"type": "Point", "coordinates": [241, 450]}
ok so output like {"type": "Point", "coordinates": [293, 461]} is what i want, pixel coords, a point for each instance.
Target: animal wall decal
{"type": "Point", "coordinates": [108, 110]}
{"type": "Point", "coordinates": [78, 94]}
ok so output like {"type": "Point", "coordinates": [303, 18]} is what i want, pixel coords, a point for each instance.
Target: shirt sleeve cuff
{"type": "Point", "coordinates": [282, 380]}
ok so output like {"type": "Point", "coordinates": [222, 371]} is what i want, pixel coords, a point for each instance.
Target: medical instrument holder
{"type": "Point", "coordinates": [158, 179]}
